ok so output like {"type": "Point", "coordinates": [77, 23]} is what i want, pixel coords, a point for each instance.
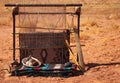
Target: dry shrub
{"type": "Point", "coordinates": [115, 26]}
{"type": "Point", "coordinates": [5, 21]}
{"type": "Point", "coordinates": [114, 16]}
{"type": "Point", "coordinates": [84, 36]}
{"type": "Point", "coordinates": [89, 22]}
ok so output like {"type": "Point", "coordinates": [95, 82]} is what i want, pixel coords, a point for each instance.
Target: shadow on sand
{"type": "Point", "coordinates": [91, 65]}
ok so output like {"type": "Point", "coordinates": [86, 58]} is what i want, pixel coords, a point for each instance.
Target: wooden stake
{"type": "Point", "coordinates": [79, 49]}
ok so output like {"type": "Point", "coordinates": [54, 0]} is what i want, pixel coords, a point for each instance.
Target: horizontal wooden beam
{"type": "Point", "coordinates": [47, 13]}
{"type": "Point", "coordinates": [41, 5]}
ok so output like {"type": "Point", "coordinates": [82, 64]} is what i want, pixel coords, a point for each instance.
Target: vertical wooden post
{"type": "Point", "coordinates": [14, 13]}
{"type": "Point", "coordinates": [77, 40]}
{"type": "Point", "coordinates": [78, 23]}
{"type": "Point", "coordinates": [79, 49]}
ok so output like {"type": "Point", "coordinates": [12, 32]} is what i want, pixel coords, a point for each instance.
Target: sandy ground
{"type": "Point", "coordinates": [101, 54]}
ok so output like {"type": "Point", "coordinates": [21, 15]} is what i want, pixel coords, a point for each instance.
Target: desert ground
{"type": "Point", "coordinates": [100, 34]}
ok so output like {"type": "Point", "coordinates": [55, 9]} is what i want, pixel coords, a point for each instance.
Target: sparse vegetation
{"type": "Point", "coordinates": [5, 21]}
{"type": "Point", "coordinates": [89, 22]}
{"type": "Point", "coordinates": [84, 36]}
{"type": "Point", "coordinates": [114, 17]}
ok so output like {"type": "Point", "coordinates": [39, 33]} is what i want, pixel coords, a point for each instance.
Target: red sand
{"type": "Point", "coordinates": [101, 54]}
